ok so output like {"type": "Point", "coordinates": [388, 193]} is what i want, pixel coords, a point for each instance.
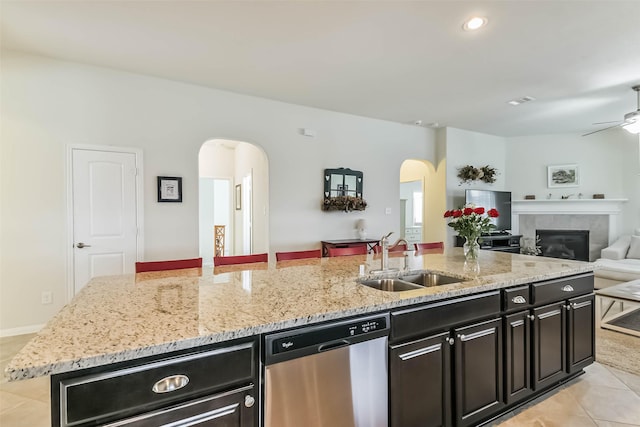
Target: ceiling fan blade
{"type": "Point", "coordinates": [606, 123]}
{"type": "Point", "coordinates": [600, 130]}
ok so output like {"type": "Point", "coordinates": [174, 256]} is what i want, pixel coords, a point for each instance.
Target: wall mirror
{"type": "Point", "coordinates": [342, 182]}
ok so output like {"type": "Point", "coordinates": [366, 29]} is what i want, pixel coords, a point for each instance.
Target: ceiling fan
{"type": "Point", "coordinates": [631, 121]}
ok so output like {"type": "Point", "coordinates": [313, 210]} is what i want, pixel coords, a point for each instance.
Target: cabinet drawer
{"type": "Point", "coordinates": [225, 409]}
{"type": "Point", "coordinates": [516, 298]}
{"type": "Point", "coordinates": [128, 391]}
{"type": "Point", "coordinates": [414, 322]}
{"type": "Point", "coordinates": [563, 288]}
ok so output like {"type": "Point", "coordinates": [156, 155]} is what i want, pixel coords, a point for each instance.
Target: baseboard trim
{"type": "Point", "coordinates": [20, 331]}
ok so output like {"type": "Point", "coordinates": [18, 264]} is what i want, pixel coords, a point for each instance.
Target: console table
{"type": "Point", "coordinates": [348, 243]}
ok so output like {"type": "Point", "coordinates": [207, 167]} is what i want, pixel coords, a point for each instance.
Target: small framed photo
{"type": "Point", "coordinates": [170, 189]}
{"type": "Point", "coordinates": [238, 197]}
{"type": "Point", "coordinates": [563, 176]}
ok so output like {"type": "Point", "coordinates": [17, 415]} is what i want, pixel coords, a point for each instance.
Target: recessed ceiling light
{"type": "Point", "coordinates": [522, 100]}
{"type": "Point", "coordinates": [474, 23]}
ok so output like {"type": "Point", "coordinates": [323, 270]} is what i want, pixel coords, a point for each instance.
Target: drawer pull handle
{"type": "Point", "coordinates": [568, 288]}
{"type": "Point", "coordinates": [169, 384]}
{"type": "Point", "coordinates": [420, 352]}
{"type": "Point", "coordinates": [519, 300]}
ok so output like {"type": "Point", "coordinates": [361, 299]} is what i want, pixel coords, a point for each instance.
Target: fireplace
{"type": "Point", "coordinates": [567, 244]}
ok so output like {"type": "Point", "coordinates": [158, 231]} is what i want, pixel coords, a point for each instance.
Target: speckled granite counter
{"type": "Point", "coordinates": [121, 318]}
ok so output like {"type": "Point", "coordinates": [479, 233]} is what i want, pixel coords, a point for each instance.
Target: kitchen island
{"type": "Point", "coordinates": [121, 319]}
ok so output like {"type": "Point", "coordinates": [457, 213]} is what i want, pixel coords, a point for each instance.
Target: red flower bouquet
{"type": "Point", "coordinates": [470, 222]}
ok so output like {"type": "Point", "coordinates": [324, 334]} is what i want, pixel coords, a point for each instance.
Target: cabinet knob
{"type": "Point", "coordinates": [451, 341]}
{"type": "Point", "coordinates": [567, 288]}
{"type": "Point", "coordinates": [531, 317]}
{"type": "Point", "coordinates": [519, 299]}
{"type": "Point", "coordinates": [249, 401]}
{"type": "Point", "coordinates": [567, 307]}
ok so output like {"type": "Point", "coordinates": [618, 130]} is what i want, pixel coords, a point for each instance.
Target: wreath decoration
{"type": "Point", "coordinates": [344, 203]}
{"type": "Point", "coordinates": [470, 173]}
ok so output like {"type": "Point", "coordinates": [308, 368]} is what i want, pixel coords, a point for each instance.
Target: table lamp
{"type": "Point", "coordinates": [361, 227]}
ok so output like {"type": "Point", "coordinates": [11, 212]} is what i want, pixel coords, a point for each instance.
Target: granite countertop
{"type": "Point", "coordinates": [118, 318]}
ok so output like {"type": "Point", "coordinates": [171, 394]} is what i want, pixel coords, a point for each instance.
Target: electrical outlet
{"type": "Point", "coordinates": [387, 211]}
{"type": "Point", "coordinates": [46, 297]}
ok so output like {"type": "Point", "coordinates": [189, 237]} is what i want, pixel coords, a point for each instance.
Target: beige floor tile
{"type": "Point", "coordinates": [9, 401]}
{"type": "Point", "coordinates": [30, 413]}
{"type": "Point", "coordinates": [632, 381]}
{"type": "Point", "coordinates": [36, 388]}
{"type": "Point", "coordinates": [534, 418]}
{"type": "Point", "coordinates": [606, 403]}
{"type": "Point", "coordinates": [559, 408]}
{"type": "Point", "coordinates": [612, 424]}
{"type": "Point", "coordinates": [597, 375]}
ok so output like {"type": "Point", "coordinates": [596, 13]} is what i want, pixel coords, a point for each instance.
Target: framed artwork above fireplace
{"type": "Point", "coordinates": [563, 176]}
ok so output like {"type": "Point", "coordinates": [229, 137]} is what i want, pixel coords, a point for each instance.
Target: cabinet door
{"type": "Point", "coordinates": [549, 345]}
{"type": "Point", "coordinates": [517, 356]}
{"type": "Point", "coordinates": [581, 351]}
{"type": "Point", "coordinates": [478, 372]}
{"type": "Point", "coordinates": [420, 383]}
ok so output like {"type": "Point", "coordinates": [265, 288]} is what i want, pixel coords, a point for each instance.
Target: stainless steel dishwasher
{"type": "Point", "coordinates": [332, 375]}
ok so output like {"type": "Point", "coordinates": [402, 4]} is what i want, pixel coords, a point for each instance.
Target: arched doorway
{"type": "Point", "coordinates": [234, 199]}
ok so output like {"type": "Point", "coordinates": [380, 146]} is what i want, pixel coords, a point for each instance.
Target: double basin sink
{"type": "Point", "coordinates": [410, 282]}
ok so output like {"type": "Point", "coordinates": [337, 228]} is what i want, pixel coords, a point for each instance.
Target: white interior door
{"type": "Point", "coordinates": [104, 214]}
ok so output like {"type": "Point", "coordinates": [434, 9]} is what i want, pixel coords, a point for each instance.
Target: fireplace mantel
{"type": "Point", "coordinates": [609, 207]}
{"type": "Point", "coordinates": [568, 206]}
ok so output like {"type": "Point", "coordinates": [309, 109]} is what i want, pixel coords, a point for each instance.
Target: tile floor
{"type": "Point", "coordinates": [602, 397]}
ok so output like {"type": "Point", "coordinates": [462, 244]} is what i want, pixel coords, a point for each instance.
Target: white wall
{"type": "Point", "coordinates": [47, 104]}
{"type": "Point", "coordinates": [461, 148]}
{"type": "Point", "coordinates": [608, 163]}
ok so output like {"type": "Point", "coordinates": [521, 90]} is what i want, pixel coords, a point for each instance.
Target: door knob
{"type": "Point", "coordinates": [82, 245]}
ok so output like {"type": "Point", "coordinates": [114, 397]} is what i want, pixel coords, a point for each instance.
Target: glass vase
{"type": "Point", "coordinates": [471, 248]}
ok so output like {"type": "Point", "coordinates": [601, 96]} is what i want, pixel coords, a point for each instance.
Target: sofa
{"type": "Point", "coordinates": [619, 262]}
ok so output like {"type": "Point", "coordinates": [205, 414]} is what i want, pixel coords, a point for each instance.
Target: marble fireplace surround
{"type": "Point", "coordinates": [599, 216]}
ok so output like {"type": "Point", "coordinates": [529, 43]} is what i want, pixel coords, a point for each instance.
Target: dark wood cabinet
{"type": "Point", "coordinates": [209, 386]}
{"type": "Point", "coordinates": [581, 333]}
{"type": "Point", "coordinates": [549, 344]}
{"type": "Point", "coordinates": [485, 354]}
{"type": "Point", "coordinates": [564, 339]}
{"type": "Point", "coordinates": [461, 347]}
{"type": "Point", "coordinates": [420, 382]}
{"type": "Point", "coordinates": [478, 372]}
{"type": "Point", "coordinates": [234, 409]}
{"type": "Point", "coordinates": [517, 361]}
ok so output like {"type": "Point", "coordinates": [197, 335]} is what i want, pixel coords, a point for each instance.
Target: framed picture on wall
{"type": "Point", "coordinates": [170, 189]}
{"type": "Point", "coordinates": [563, 176]}
{"type": "Point", "coordinates": [238, 197]}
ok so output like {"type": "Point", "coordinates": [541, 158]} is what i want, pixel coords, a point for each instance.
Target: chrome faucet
{"type": "Point", "coordinates": [384, 243]}
{"type": "Point", "coordinates": [400, 241]}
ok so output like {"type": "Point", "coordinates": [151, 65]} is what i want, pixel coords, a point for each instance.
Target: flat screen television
{"type": "Point", "coordinates": [501, 200]}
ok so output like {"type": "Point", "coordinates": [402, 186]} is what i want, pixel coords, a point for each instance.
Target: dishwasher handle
{"type": "Point", "coordinates": [332, 345]}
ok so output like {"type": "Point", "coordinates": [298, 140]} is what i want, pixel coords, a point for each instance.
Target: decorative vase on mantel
{"type": "Point", "coordinates": [471, 248]}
